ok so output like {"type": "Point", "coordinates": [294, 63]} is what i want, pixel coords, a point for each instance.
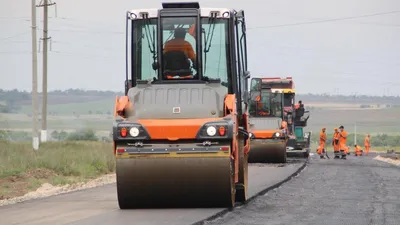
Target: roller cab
{"type": "Point", "coordinates": [268, 138]}
{"type": "Point", "coordinates": [181, 131]}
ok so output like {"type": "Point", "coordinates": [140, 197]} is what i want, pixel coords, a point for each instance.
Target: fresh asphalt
{"type": "Point", "coordinates": [356, 191]}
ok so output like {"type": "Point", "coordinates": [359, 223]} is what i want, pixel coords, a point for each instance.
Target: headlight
{"type": "Point", "coordinates": [134, 132]}
{"type": "Point", "coordinates": [251, 135]}
{"type": "Point", "coordinates": [277, 134]}
{"type": "Point", "coordinates": [211, 131]}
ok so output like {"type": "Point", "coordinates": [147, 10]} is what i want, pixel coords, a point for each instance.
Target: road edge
{"type": "Point", "coordinates": [262, 192]}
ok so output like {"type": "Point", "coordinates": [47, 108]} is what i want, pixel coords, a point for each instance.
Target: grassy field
{"type": "Point", "coordinates": [368, 121]}
{"type": "Point", "coordinates": [79, 108]}
{"type": "Point", "coordinates": [57, 163]}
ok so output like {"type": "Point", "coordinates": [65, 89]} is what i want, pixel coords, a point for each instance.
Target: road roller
{"type": "Point", "coordinates": [298, 144]}
{"type": "Point", "coordinates": [268, 136]}
{"type": "Point", "coordinates": [181, 130]}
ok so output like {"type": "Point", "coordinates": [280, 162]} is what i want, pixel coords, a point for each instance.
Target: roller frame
{"type": "Point", "coordinates": [242, 185]}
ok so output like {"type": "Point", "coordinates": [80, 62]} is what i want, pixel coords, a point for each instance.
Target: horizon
{"type": "Point", "coordinates": [297, 93]}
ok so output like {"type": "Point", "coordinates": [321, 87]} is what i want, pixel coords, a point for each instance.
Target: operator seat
{"type": "Point", "coordinates": [176, 63]}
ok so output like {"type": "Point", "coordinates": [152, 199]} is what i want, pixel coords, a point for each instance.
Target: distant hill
{"type": "Point", "coordinates": [15, 100]}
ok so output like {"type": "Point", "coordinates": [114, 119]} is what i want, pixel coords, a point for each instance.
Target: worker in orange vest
{"type": "Point", "coordinates": [336, 143]}
{"type": "Point", "coordinates": [367, 144]}
{"type": "Point", "coordinates": [322, 140]}
{"type": "Point", "coordinates": [347, 150]}
{"type": "Point", "coordinates": [180, 44]}
{"type": "Point", "coordinates": [357, 150]}
{"type": "Point", "coordinates": [284, 126]}
{"type": "Point", "coordinates": [342, 141]}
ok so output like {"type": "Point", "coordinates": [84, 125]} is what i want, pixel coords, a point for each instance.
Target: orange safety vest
{"type": "Point", "coordinates": [180, 45]}
{"type": "Point", "coordinates": [343, 140]}
{"type": "Point", "coordinates": [366, 142]}
{"type": "Point", "coordinates": [322, 138]}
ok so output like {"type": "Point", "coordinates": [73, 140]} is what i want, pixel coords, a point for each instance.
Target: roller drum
{"type": "Point", "coordinates": [168, 182]}
{"type": "Point", "coordinates": [267, 151]}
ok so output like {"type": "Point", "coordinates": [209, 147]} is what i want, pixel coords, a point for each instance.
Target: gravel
{"type": "Point", "coordinates": [388, 160]}
{"type": "Point", "coordinates": [47, 189]}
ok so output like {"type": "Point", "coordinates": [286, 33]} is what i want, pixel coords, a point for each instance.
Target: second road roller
{"type": "Point", "coordinates": [298, 144]}
{"type": "Point", "coordinates": [181, 131]}
{"type": "Point", "coordinates": [267, 128]}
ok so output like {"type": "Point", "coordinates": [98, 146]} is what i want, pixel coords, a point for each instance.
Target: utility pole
{"type": "Point", "coordinates": [45, 4]}
{"type": "Point", "coordinates": [355, 133]}
{"type": "Point", "coordinates": [35, 136]}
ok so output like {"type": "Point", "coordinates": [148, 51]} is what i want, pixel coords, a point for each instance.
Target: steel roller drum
{"type": "Point", "coordinates": [171, 182]}
{"type": "Point", "coordinates": [267, 151]}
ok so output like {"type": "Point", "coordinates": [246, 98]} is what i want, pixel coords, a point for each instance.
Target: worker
{"type": "Point", "coordinates": [180, 44]}
{"type": "Point", "coordinates": [342, 141]}
{"type": "Point", "coordinates": [357, 150]}
{"type": "Point", "coordinates": [299, 105]}
{"type": "Point", "coordinates": [262, 108]}
{"type": "Point", "coordinates": [322, 140]}
{"type": "Point", "coordinates": [336, 144]}
{"type": "Point", "coordinates": [367, 144]}
{"type": "Point", "coordinates": [284, 126]}
{"type": "Point", "coordinates": [347, 150]}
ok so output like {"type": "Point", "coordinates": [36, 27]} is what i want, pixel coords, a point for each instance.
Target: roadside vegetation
{"type": "Point", "coordinates": [64, 162]}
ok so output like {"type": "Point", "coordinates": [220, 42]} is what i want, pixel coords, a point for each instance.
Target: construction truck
{"type": "Point", "coordinates": [181, 131]}
{"type": "Point", "coordinates": [268, 137]}
{"type": "Point", "coordinates": [298, 143]}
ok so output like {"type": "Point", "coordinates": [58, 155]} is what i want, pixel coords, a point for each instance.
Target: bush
{"type": "Point", "coordinates": [59, 136]}
{"type": "Point", "coordinates": [6, 135]}
{"type": "Point", "coordinates": [82, 135]}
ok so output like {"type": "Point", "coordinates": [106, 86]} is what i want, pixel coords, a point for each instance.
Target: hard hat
{"type": "Point", "coordinates": [323, 128]}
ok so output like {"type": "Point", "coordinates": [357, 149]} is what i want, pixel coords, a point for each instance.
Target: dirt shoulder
{"type": "Point", "coordinates": [388, 160]}
{"type": "Point", "coordinates": [55, 168]}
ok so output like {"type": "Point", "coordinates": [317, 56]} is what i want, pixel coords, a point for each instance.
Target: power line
{"type": "Point", "coordinates": [87, 31]}
{"type": "Point", "coordinates": [326, 20]}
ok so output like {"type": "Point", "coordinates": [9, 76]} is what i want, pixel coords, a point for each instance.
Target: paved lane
{"type": "Point", "coordinates": [99, 205]}
{"type": "Point", "coordinates": [357, 191]}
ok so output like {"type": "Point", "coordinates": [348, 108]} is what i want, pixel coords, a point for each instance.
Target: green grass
{"type": "Point", "coordinates": [57, 163]}
{"type": "Point", "coordinates": [84, 159]}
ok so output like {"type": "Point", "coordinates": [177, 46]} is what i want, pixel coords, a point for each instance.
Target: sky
{"type": "Point", "coordinates": [348, 47]}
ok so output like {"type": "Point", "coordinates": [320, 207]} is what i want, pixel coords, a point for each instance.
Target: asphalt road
{"type": "Point", "coordinates": [99, 205]}
{"type": "Point", "coordinates": [358, 190]}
